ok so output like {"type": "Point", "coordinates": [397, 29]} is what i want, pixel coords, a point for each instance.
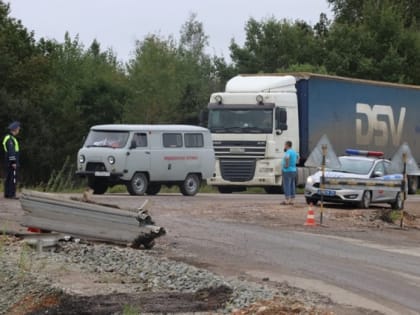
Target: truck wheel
{"type": "Point", "coordinates": [365, 202]}
{"type": "Point", "coordinates": [191, 185]}
{"type": "Point", "coordinates": [138, 185]}
{"type": "Point", "coordinates": [274, 189]}
{"type": "Point", "coordinates": [398, 202]}
{"type": "Point", "coordinates": [153, 189]}
{"type": "Point", "coordinates": [99, 186]}
{"type": "Point", "coordinates": [224, 189]}
{"type": "Point", "coordinates": [412, 184]}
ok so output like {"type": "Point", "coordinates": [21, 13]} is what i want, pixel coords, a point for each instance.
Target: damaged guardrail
{"type": "Point", "coordinates": [89, 220]}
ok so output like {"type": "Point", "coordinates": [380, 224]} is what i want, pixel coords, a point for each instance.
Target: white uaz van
{"type": "Point", "coordinates": [144, 157]}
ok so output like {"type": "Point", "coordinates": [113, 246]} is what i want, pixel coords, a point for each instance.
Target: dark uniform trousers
{"type": "Point", "coordinates": [10, 182]}
{"type": "Point", "coordinates": [11, 148]}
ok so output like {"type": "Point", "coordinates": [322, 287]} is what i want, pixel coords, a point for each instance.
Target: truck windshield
{"type": "Point", "coordinates": [106, 138]}
{"type": "Point", "coordinates": [230, 120]}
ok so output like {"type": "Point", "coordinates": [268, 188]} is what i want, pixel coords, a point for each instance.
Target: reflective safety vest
{"type": "Point", "coordinates": [7, 138]}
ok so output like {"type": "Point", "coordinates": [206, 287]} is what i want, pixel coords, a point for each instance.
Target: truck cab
{"type": "Point", "coordinates": [249, 123]}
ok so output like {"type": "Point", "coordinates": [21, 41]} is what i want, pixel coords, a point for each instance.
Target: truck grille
{"type": "Point", "coordinates": [237, 170]}
{"type": "Point", "coordinates": [239, 149]}
{"type": "Point", "coordinates": [94, 167]}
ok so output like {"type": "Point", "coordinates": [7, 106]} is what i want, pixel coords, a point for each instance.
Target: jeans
{"type": "Point", "coordinates": [289, 184]}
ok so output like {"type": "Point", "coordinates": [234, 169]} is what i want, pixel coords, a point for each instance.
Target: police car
{"type": "Point", "coordinates": [363, 165]}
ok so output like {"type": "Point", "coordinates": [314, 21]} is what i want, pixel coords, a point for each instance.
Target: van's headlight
{"type": "Point", "coordinates": [82, 159]}
{"type": "Point", "coordinates": [309, 180]}
{"type": "Point", "coordinates": [111, 159]}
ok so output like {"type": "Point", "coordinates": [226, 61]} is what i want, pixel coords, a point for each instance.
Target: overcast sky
{"type": "Point", "coordinates": [117, 24]}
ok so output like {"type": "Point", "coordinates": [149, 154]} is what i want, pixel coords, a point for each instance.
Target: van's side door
{"type": "Point", "coordinates": [138, 155]}
{"type": "Point", "coordinates": [168, 161]}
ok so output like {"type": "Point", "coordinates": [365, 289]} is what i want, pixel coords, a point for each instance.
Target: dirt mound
{"type": "Point", "coordinates": [203, 300]}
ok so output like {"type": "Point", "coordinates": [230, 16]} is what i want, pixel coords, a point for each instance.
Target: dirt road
{"type": "Point", "coordinates": [355, 258]}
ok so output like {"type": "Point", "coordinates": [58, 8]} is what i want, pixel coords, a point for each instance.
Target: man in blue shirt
{"type": "Point", "coordinates": [289, 162]}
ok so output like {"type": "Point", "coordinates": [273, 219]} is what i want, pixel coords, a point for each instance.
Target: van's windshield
{"type": "Point", "coordinates": [106, 138]}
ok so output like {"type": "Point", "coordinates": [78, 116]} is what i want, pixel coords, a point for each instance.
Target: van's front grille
{"type": "Point", "coordinates": [237, 170]}
{"type": "Point", "coordinates": [95, 167]}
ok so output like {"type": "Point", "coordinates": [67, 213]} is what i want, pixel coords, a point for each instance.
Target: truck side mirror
{"type": "Point", "coordinates": [203, 117]}
{"type": "Point", "coordinates": [281, 119]}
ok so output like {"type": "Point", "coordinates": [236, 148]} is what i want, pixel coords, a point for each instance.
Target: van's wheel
{"type": "Point", "coordinates": [413, 184]}
{"type": "Point", "coordinates": [398, 202]}
{"type": "Point", "coordinates": [99, 186]}
{"type": "Point", "coordinates": [138, 184]}
{"type": "Point", "coordinates": [365, 202]}
{"type": "Point", "coordinates": [153, 189]}
{"type": "Point", "coordinates": [191, 185]}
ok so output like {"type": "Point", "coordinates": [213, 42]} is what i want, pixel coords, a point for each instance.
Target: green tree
{"type": "Point", "coordinates": [273, 44]}
{"type": "Point", "coordinates": [84, 87]}
{"type": "Point", "coordinates": [198, 71]}
{"type": "Point", "coordinates": [374, 44]}
{"type": "Point", "coordinates": [23, 69]}
{"type": "Point", "coordinates": [171, 82]}
{"type": "Point", "coordinates": [153, 80]}
{"type": "Point", "coordinates": [354, 11]}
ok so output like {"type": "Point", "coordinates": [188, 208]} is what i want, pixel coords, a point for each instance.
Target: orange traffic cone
{"type": "Point", "coordinates": [310, 218]}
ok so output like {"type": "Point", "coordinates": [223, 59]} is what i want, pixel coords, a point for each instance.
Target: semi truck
{"type": "Point", "coordinates": [256, 114]}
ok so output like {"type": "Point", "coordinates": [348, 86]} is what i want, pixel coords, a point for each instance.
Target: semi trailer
{"type": "Point", "coordinates": [256, 114]}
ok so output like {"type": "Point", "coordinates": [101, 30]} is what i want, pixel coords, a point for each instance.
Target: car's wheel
{"type": "Point", "coordinates": [398, 202]}
{"type": "Point", "coordinates": [99, 186]}
{"type": "Point", "coordinates": [413, 184]}
{"type": "Point", "coordinates": [224, 189]}
{"type": "Point", "coordinates": [311, 201]}
{"type": "Point", "coordinates": [153, 189]}
{"type": "Point", "coordinates": [274, 189]}
{"type": "Point", "coordinates": [366, 198]}
{"type": "Point", "coordinates": [138, 184]}
{"type": "Point", "coordinates": [191, 185]}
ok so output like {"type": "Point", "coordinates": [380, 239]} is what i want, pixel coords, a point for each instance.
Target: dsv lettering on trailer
{"type": "Point", "coordinates": [377, 125]}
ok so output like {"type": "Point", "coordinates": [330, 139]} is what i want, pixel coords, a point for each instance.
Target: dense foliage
{"type": "Point", "coordinates": [58, 89]}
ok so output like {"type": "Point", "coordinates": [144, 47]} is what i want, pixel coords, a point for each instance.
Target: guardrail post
{"type": "Point", "coordinates": [403, 188]}
{"type": "Point", "coordinates": [322, 184]}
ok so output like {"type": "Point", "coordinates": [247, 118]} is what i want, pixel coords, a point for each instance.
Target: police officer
{"type": "Point", "coordinates": [11, 150]}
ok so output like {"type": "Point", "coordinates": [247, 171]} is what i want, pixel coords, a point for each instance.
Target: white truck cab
{"type": "Point", "coordinates": [145, 157]}
{"type": "Point", "coordinates": [249, 124]}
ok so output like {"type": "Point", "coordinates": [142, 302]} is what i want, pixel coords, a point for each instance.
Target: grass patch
{"type": "Point", "coordinates": [130, 310]}
{"type": "Point", "coordinates": [25, 262]}
{"type": "Point", "coordinates": [117, 189]}
{"type": "Point", "coordinates": [390, 216]}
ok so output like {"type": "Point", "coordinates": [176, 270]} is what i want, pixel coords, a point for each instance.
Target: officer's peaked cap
{"type": "Point", "coordinates": [14, 125]}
